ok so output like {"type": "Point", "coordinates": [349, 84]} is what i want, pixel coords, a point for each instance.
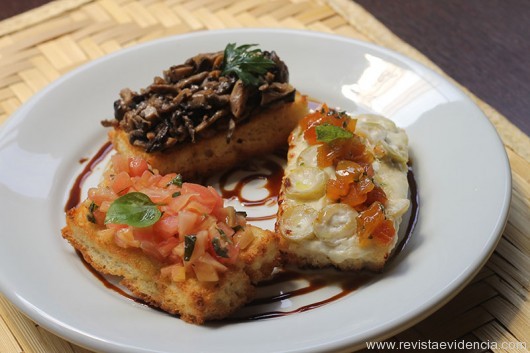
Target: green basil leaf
{"type": "Point", "coordinates": [135, 209]}
{"type": "Point", "coordinates": [328, 133]}
{"type": "Point", "coordinates": [219, 250]}
{"type": "Point", "coordinates": [176, 181]}
{"type": "Point", "coordinates": [246, 63]}
{"type": "Point", "coordinates": [189, 245]}
{"type": "Point", "coordinates": [90, 216]}
{"type": "Point", "coordinates": [224, 236]}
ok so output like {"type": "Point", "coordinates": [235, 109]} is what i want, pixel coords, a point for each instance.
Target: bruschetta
{"type": "Point", "coordinates": [344, 192]}
{"type": "Point", "coordinates": [173, 243]}
{"type": "Point", "coordinates": [209, 113]}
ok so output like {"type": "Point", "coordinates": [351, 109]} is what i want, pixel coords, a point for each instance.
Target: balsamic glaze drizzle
{"type": "Point", "coordinates": [347, 283]}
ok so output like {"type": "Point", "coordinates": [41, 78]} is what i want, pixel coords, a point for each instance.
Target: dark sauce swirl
{"type": "Point", "coordinates": [260, 307]}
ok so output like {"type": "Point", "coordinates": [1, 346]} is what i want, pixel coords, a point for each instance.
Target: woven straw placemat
{"type": "Point", "coordinates": [39, 46]}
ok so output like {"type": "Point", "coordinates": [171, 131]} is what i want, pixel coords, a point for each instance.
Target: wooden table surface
{"type": "Point", "coordinates": [484, 45]}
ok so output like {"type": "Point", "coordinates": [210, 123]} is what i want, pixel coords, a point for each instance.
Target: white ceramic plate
{"type": "Point", "coordinates": [459, 162]}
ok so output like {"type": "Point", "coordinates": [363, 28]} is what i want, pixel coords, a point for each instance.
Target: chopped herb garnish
{"type": "Point", "coordinates": [189, 245]}
{"type": "Point", "coordinates": [176, 194]}
{"type": "Point", "coordinates": [224, 236]}
{"type": "Point", "coordinates": [237, 228]}
{"type": "Point", "coordinates": [219, 250]}
{"type": "Point", "coordinates": [247, 64]}
{"type": "Point", "coordinates": [328, 133]}
{"type": "Point", "coordinates": [135, 209]}
{"type": "Point", "coordinates": [176, 181]}
{"type": "Point", "coordinates": [90, 216]}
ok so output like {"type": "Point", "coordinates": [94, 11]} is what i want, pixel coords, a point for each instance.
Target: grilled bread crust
{"type": "Point", "coordinates": [194, 301]}
{"type": "Point", "coordinates": [263, 133]}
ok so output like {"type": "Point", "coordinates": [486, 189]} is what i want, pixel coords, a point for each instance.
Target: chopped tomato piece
{"type": "Point", "coordinates": [205, 196]}
{"type": "Point", "coordinates": [191, 234]}
{"type": "Point", "coordinates": [137, 166]}
{"type": "Point", "coordinates": [365, 185]}
{"type": "Point", "coordinates": [376, 195]}
{"type": "Point", "coordinates": [186, 222]}
{"type": "Point", "coordinates": [351, 125]}
{"type": "Point", "coordinates": [157, 195]}
{"type": "Point", "coordinates": [167, 226]}
{"type": "Point", "coordinates": [144, 234]}
{"type": "Point", "coordinates": [122, 181]}
{"type": "Point", "coordinates": [120, 163]}
{"type": "Point", "coordinates": [165, 181]}
{"type": "Point", "coordinates": [124, 238]}
{"type": "Point", "coordinates": [385, 232]}
{"type": "Point", "coordinates": [180, 202]}
{"type": "Point", "coordinates": [369, 220]}
{"type": "Point", "coordinates": [324, 116]}
{"type": "Point", "coordinates": [349, 171]}
{"type": "Point", "coordinates": [151, 249]}
{"type": "Point", "coordinates": [98, 195]}
{"type": "Point", "coordinates": [176, 272]}
{"type": "Point", "coordinates": [205, 272]}
{"type": "Point", "coordinates": [336, 189]}
{"type": "Point", "coordinates": [325, 156]}
{"type": "Point", "coordinates": [165, 247]}
{"type": "Point", "coordinates": [354, 197]}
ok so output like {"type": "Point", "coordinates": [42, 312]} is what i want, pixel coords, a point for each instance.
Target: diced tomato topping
{"type": "Point", "coordinates": [188, 211]}
{"type": "Point", "coordinates": [204, 195]}
{"type": "Point", "coordinates": [337, 188]}
{"type": "Point", "coordinates": [354, 198]}
{"type": "Point", "coordinates": [324, 116]}
{"type": "Point", "coordinates": [376, 195]}
{"type": "Point", "coordinates": [166, 246]}
{"type": "Point", "coordinates": [144, 234]}
{"type": "Point", "coordinates": [137, 166]}
{"type": "Point", "coordinates": [120, 163]}
{"type": "Point", "coordinates": [167, 226]}
{"type": "Point", "coordinates": [369, 220]}
{"type": "Point", "coordinates": [353, 183]}
{"type": "Point", "coordinates": [165, 181]}
{"type": "Point", "coordinates": [124, 238]}
{"type": "Point", "coordinates": [349, 171]}
{"type": "Point", "coordinates": [151, 249]}
{"type": "Point", "coordinates": [186, 222]}
{"type": "Point", "coordinates": [98, 195]}
{"type": "Point", "coordinates": [385, 232]}
{"type": "Point", "coordinates": [122, 181]}
{"type": "Point", "coordinates": [157, 195]}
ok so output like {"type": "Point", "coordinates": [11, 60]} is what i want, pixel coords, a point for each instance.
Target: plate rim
{"type": "Point", "coordinates": [417, 315]}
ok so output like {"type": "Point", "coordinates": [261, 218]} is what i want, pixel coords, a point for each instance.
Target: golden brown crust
{"type": "Point", "coordinates": [262, 134]}
{"type": "Point", "coordinates": [195, 302]}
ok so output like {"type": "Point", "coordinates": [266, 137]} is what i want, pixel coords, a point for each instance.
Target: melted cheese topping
{"type": "Point", "coordinates": [319, 232]}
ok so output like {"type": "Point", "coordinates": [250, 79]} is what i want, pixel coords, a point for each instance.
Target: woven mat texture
{"type": "Point", "coordinates": [41, 45]}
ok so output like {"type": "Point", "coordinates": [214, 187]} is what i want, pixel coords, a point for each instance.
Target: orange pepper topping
{"type": "Point", "coordinates": [354, 173]}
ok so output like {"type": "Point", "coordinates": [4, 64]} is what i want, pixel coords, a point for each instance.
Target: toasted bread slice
{"type": "Point", "coordinates": [146, 276]}
{"type": "Point", "coordinates": [263, 133]}
{"type": "Point", "coordinates": [343, 195]}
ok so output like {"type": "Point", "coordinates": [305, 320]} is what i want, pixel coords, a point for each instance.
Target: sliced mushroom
{"type": "Point", "coordinates": [271, 93]}
{"type": "Point", "coordinates": [177, 73]}
{"type": "Point", "coordinates": [195, 101]}
{"type": "Point", "coordinates": [238, 99]}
